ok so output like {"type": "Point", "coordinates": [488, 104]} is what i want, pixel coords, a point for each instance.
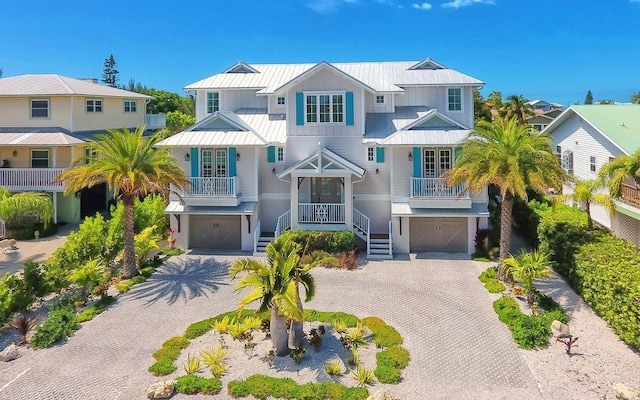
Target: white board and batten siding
{"type": "Point", "coordinates": [229, 100]}
{"type": "Point", "coordinates": [436, 97]}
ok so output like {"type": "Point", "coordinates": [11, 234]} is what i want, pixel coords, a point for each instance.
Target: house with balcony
{"type": "Point", "coordinates": [45, 123]}
{"type": "Point", "coordinates": [586, 137]}
{"type": "Point", "coordinates": [354, 146]}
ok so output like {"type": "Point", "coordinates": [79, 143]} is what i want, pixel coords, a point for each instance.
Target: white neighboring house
{"type": "Point", "coordinates": [328, 146]}
{"type": "Point", "coordinates": [588, 136]}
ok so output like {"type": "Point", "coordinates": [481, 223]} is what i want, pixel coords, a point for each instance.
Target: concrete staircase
{"type": "Point", "coordinates": [264, 239]}
{"type": "Point", "coordinates": [379, 247]}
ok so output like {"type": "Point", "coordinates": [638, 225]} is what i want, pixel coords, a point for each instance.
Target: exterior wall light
{"type": "Point", "coordinates": [410, 156]}
{"type": "Point", "coordinates": [187, 156]}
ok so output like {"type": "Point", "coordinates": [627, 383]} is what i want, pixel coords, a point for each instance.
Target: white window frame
{"type": "Point", "coordinates": [436, 161]}
{"type": "Point", "coordinates": [90, 154]}
{"type": "Point", "coordinates": [461, 110]}
{"type": "Point", "coordinates": [567, 161]}
{"type": "Point", "coordinates": [380, 99]}
{"type": "Point", "coordinates": [281, 104]}
{"type": "Point", "coordinates": [593, 164]}
{"type": "Point", "coordinates": [213, 103]}
{"type": "Point", "coordinates": [214, 167]}
{"type": "Point", "coordinates": [371, 154]}
{"type": "Point", "coordinates": [96, 105]}
{"type": "Point", "coordinates": [128, 104]}
{"type": "Point", "coordinates": [331, 105]}
{"type": "Point", "coordinates": [37, 116]}
{"type": "Point", "coordinates": [32, 158]}
{"type": "Point", "coordinates": [280, 154]}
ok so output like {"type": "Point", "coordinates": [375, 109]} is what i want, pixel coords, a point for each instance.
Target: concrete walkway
{"type": "Point", "coordinates": [459, 349]}
{"type": "Point", "coordinates": [37, 249]}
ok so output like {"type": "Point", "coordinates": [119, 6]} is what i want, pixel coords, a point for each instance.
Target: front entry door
{"type": "Point", "coordinates": [326, 190]}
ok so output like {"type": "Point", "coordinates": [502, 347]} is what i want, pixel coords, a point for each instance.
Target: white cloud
{"type": "Point", "coordinates": [423, 6]}
{"type": "Point", "coordinates": [465, 3]}
{"type": "Point", "coordinates": [327, 6]}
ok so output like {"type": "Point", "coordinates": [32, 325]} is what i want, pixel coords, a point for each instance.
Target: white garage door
{"type": "Point", "coordinates": [438, 234]}
{"type": "Point", "coordinates": [214, 231]}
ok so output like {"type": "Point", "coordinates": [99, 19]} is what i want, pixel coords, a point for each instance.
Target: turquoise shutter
{"type": "Point", "coordinates": [349, 109]}
{"type": "Point", "coordinates": [271, 154]}
{"type": "Point", "coordinates": [232, 161]}
{"type": "Point", "coordinates": [417, 164]}
{"type": "Point", "coordinates": [380, 154]}
{"type": "Point", "coordinates": [456, 154]}
{"type": "Point", "coordinates": [194, 162]}
{"type": "Point", "coordinates": [299, 109]}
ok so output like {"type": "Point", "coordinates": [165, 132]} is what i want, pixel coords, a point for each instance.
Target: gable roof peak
{"type": "Point", "coordinates": [241, 68]}
{"type": "Point", "coordinates": [428, 63]}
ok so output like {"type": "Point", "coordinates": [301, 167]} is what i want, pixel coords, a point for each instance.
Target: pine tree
{"type": "Point", "coordinates": [588, 98]}
{"type": "Point", "coordinates": [109, 72]}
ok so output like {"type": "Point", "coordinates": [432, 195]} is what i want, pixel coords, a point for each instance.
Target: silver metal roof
{"type": "Point", "coordinates": [328, 158]}
{"type": "Point", "coordinates": [382, 77]}
{"type": "Point", "coordinates": [427, 137]}
{"type": "Point", "coordinates": [245, 208]}
{"type": "Point", "coordinates": [477, 209]}
{"type": "Point", "coordinates": [58, 85]}
{"type": "Point", "coordinates": [38, 139]}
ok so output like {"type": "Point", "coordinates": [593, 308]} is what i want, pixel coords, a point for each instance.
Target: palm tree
{"type": "Point", "coordinates": [635, 98]}
{"type": "Point", "coordinates": [273, 288]}
{"type": "Point", "coordinates": [585, 192]}
{"type": "Point", "coordinates": [619, 170]}
{"type": "Point", "coordinates": [87, 276]}
{"type": "Point", "coordinates": [525, 268]}
{"type": "Point", "coordinates": [508, 156]}
{"type": "Point", "coordinates": [516, 107]}
{"type": "Point", "coordinates": [36, 206]}
{"type": "Point", "coordinates": [131, 166]}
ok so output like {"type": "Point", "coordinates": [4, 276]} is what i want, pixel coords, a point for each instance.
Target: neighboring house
{"type": "Point", "coordinates": [541, 106]}
{"type": "Point", "coordinates": [329, 146]}
{"type": "Point", "coordinates": [45, 121]}
{"type": "Point", "coordinates": [588, 136]}
{"type": "Point", "coordinates": [540, 121]}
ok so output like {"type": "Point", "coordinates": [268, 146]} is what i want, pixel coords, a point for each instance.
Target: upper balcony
{"type": "Point", "coordinates": [436, 193]}
{"type": "Point", "coordinates": [155, 121]}
{"type": "Point", "coordinates": [31, 179]}
{"type": "Point", "coordinates": [212, 191]}
{"type": "Point", "coordinates": [630, 195]}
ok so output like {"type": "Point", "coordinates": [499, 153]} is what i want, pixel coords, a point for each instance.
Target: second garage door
{"type": "Point", "coordinates": [214, 231]}
{"type": "Point", "coordinates": [438, 234]}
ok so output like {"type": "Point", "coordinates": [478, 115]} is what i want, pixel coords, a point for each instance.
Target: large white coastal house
{"type": "Point", "coordinates": [330, 146]}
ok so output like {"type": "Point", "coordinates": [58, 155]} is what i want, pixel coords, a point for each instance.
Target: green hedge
{"type": "Point", "coordinates": [61, 323]}
{"type": "Point", "coordinates": [262, 386]}
{"type": "Point", "coordinates": [331, 242]}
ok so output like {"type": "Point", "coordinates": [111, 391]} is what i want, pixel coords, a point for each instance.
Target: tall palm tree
{"type": "Point", "coordinates": [131, 166]}
{"type": "Point", "coordinates": [525, 268]}
{"type": "Point", "coordinates": [620, 169]}
{"type": "Point", "coordinates": [273, 287]}
{"type": "Point", "coordinates": [516, 107]}
{"type": "Point", "coordinates": [586, 192]}
{"type": "Point", "coordinates": [635, 98]}
{"type": "Point", "coordinates": [507, 155]}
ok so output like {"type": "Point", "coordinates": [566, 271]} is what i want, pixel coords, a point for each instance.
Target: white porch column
{"type": "Point", "coordinates": [348, 202]}
{"type": "Point", "coordinates": [294, 201]}
{"type": "Point", "coordinates": [54, 157]}
{"type": "Point", "coordinates": [55, 206]}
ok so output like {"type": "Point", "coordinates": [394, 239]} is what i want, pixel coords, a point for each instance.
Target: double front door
{"type": "Point", "coordinates": [326, 190]}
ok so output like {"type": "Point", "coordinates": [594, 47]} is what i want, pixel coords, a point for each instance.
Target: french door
{"type": "Point", "coordinates": [214, 163]}
{"type": "Point", "coordinates": [436, 162]}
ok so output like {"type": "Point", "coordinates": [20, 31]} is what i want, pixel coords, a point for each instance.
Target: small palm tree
{"type": "Point", "coordinates": [585, 192]}
{"type": "Point", "coordinates": [527, 267]}
{"type": "Point", "coordinates": [130, 165]}
{"type": "Point", "coordinates": [619, 170]}
{"type": "Point", "coordinates": [87, 276]}
{"type": "Point", "coordinates": [516, 107]}
{"type": "Point", "coordinates": [507, 155]}
{"type": "Point", "coordinates": [635, 98]}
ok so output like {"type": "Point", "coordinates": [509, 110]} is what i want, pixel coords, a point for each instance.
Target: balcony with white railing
{"type": "Point", "coordinates": [321, 213]}
{"type": "Point", "coordinates": [31, 179]}
{"type": "Point", "coordinates": [436, 193]}
{"type": "Point", "coordinates": [155, 121]}
{"type": "Point", "coordinates": [212, 191]}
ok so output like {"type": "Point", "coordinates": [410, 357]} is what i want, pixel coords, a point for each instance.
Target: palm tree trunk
{"type": "Point", "coordinates": [296, 332]}
{"type": "Point", "coordinates": [589, 220]}
{"type": "Point", "coordinates": [129, 269]}
{"type": "Point", "coordinates": [505, 231]}
{"type": "Point", "coordinates": [530, 294]}
{"type": "Point", "coordinates": [278, 329]}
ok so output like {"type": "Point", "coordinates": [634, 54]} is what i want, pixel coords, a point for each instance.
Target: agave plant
{"type": "Point", "coordinates": [333, 367]}
{"type": "Point", "coordinates": [222, 326]}
{"type": "Point", "coordinates": [362, 375]}
{"type": "Point", "coordinates": [23, 325]}
{"type": "Point", "coordinates": [192, 366]}
{"type": "Point", "coordinates": [214, 356]}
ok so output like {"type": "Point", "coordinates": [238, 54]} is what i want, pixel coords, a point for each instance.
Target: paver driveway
{"type": "Point", "coordinates": [459, 349]}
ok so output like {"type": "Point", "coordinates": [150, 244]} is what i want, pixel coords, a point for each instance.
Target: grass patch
{"type": "Point", "coordinates": [262, 386]}
{"type": "Point", "coordinates": [193, 384]}
{"type": "Point", "coordinates": [390, 363]}
{"type": "Point", "coordinates": [491, 282]}
{"type": "Point", "coordinates": [383, 335]}
{"type": "Point", "coordinates": [95, 309]}
{"type": "Point", "coordinates": [328, 316]}
{"type": "Point", "coordinates": [168, 353]}
{"type": "Point", "coordinates": [171, 252]}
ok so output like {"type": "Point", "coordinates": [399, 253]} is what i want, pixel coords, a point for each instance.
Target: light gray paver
{"type": "Point", "coordinates": [459, 348]}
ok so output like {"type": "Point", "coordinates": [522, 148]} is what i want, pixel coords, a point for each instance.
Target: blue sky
{"type": "Point", "coordinates": [549, 49]}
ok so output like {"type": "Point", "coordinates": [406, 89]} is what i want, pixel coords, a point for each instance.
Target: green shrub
{"type": "Point", "coordinates": [124, 285]}
{"type": "Point", "coordinates": [529, 331]}
{"type": "Point", "coordinates": [60, 324]}
{"type": "Point", "coordinates": [262, 386]}
{"type": "Point", "coordinates": [7, 298]}
{"type": "Point", "coordinates": [495, 286]}
{"type": "Point", "coordinates": [199, 328]}
{"type": "Point", "coordinates": [390, 363]}
{"type": "Point", "coordinates": [383, 335]}
{"type": "Point", "coordinates": [95, 309]}
{"type": "Point", "coordinates": [34, 279]}
{"type": "Point", "coordinates": [162, 367]}
{"type": "Point", "coordinates": [329, 316]}
{"type": "Point", "coordinates": [331, 242]}
{"type": "Point", "coordinates": [490, 279]}
{"type": "Point", "coordinates": [172, 252]}
{"type": "Point", "coordinates": [193, 384]}
{"type": "Point", "coordinates": [27, 232]}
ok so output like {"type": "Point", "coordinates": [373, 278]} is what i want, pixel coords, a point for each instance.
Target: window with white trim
{"type": "Point", "coordinates": [592, 163]}
{"type": "Point", "coordinates": [567, 161]}
{"type": "Point", "coordinates": [213, 102]}
{"type": "Point", "coordinates": [214, 163]}
{"type": "Point", "coordinates": [279, 154]}
{"type": "Point", "coordinates": [454, 99]}
{"type": "Point", "coordinates": [324, 108]}
{"type": "Point", "coordinates": [130, 106]}
{"type": "Point", "coordinates": [370, 154]}
{"type": "Point", "coordinates": [280, 101]}
{"type": "Point", "coordinates": [94, 105]}
{"type": "Point", "coordinates": [40, 108]}
{"type": "Point", "coordinates": [90, 154]}
{"type": "Point", "coordinates": [39, 158]}
{"type": "Point", "coordinates": [436, 162]}
{"type": "Point", "coordinates": [379, 99]}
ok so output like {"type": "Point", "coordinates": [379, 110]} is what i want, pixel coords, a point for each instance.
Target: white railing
{"type": "Point", "coordinates": [284, 223]}
{"type": "Point", "coordinates": [212, 186]}
{"type": "Point", "coordinates": [155, 121]}
{"type": "Point", "coordinates": [256, 236]}
{"type": "Point", "coordinates": [390, 240]}
{"type": "Point", "coordinates": [321, 213]}
{"type": "Point", "coordinates": [31, 178]}
{"type": "Point", "coordinates": [434, 187]}
{"type": "Point", "coordinates": [362, 223]}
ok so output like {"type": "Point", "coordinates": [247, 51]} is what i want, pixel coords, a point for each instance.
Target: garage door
{"type": "Point", "coordinates": [214, 231]}
{"type": "Point", "coordinates": [438, 234]}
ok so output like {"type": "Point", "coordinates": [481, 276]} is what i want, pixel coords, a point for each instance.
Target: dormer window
{"type": "Point", "coordinates": [324, 108]}
{"type": "Point", "coordinates": [213, 102]}
{"type": "Point", "coordinates": [280, 101]}
{"type": "Point", "coordinates": [454, 100]}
